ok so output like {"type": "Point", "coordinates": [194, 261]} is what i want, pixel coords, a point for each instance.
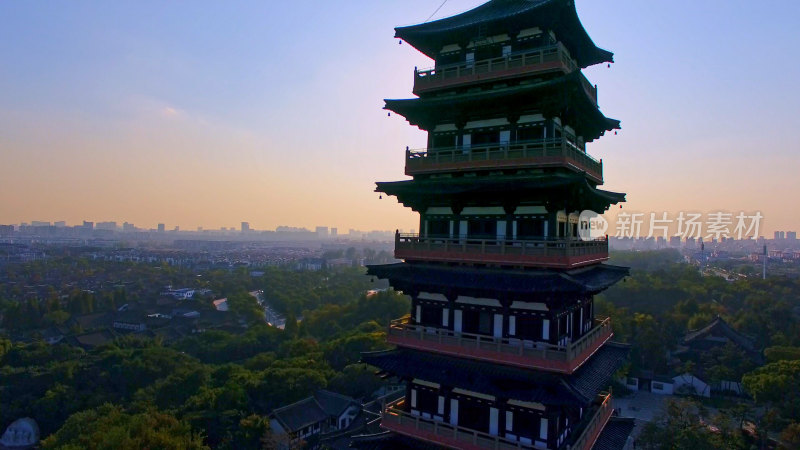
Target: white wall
{"type": "Point", "coordinates": [690, 381]}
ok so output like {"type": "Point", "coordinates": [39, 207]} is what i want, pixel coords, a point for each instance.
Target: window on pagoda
{"type": "Point", "coordinates": [530, 228]}
{"type": "Point", "coordinates": [488, 52]}
{"type": "Point", "coordinates": [477, 322]}
{"type": "Point", "coordinates": [535, 41]}
{"type": "Point", "coordinates": [482, 228]}
{"type": "Point", "coordinates": [430, 316]}
{"type": "Point", "coordinates": [448, 58]}
{"type": "Point", "coordinates": [439, 228]}
{"type": "Point", "coordinates": [473, 414]}
{"type": "Point", "coordinates": [529, 328]}
{"type": "Point", "coordinates": [485, 137]}
{"type": "Point", "coordinates": [443, 141]}
{"type": "Point", "coordinates": [425, 400]}
{"type": "Point", "coordinates": [562, 228]}
{"type": "Point", "coordinates": [526, 424]}
{"type": "Point", "coordinates": [530, 132]}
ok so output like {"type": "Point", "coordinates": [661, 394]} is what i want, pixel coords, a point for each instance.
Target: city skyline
{"type": "Point", "coordinates": [201, 115]}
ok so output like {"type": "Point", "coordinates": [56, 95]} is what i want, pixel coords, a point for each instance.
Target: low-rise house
{"type": "Point", "coordinates": [52, 335]}
{"type": "Point", "coordinates": [221, 304]}
{"type": "Point", "coordinates": [697, 363]}
{"type": "Point", "coordinates": [130, 321]}
{"type": "Point", "coordinates": [88, 322]}
{"type": "Point", "coordinates": [94, 339]}
{"type": "Point", "coordinates": [307, 419]}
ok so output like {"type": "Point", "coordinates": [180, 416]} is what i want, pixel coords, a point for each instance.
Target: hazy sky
{"type": "Point", "coordinates": [207, 113]}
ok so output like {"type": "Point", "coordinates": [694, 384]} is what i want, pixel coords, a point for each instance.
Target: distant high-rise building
{"type": "Point", "coordinates": [245, 227]}
{"type": "Point", "coordinates": [675, 241]}
{"type": "Point", "coordinates": [39, 223]}
{"type": "Point", "coordinates": [60, 224]}
{"type": "Point", "coordinates": [779, 235]}
{"type": "Point", "coordinates": [322, 232]}
{"type": "Point", "coordinates": [88, 225]}
{"type": "Point", "coordinates": [334, 232]}
{"type": "Point", "coordinates": [106, 226]}
{"type": "Point", "coordinates": [791, 235]}
{"type": "Point", "coordinates": [6, 230]}
{"type": "Point", "coordinates": [128, 227]}
{"type": "Point", "coordinates": [161, 228]}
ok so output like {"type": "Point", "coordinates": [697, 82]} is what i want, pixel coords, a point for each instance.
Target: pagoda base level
{"type": "Point", "coordinates": [453, 436]}
{"type": "Point", "coordinates": [447, 435]}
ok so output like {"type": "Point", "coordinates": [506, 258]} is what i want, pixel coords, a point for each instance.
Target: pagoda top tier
{"type": "Point", "coordinates": [507, 17]}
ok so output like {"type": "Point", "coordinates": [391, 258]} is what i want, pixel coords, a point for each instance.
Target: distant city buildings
{"type": "Point", "coordinates": [786, 236]}
{"type": "Point", "coordinates": [245, 227]}
{"type": "Point", "coordinates": [161, 228]}
{"type": "Point", "coordinates": [109, 226]}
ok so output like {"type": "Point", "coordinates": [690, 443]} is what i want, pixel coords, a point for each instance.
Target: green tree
{"type": "Point", "coordinates": [681, 427]}
{"type": "Point", "coordinates": [110, 427]}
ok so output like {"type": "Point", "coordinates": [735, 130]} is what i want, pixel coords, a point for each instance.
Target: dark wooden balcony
{"type": "Point", "coordinates": [590, 428]}
{"type": "Point", "coordinates": [509, 351]}
{"type": "Point", "coordinates": [397, 418]}
{"type": "Point", "coordinates": [554, 253]}
{"type": "Point", "coordinates": [556, 152]}
{"type": "Point", "coordinates": [553, 58]}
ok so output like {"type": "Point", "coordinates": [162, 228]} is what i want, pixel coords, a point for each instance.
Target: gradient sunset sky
{"type": "Point", "coordinates": [201, 113]}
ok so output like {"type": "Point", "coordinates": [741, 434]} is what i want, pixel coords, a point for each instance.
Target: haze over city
{"type": "Point", "coordinates": [201, 114]}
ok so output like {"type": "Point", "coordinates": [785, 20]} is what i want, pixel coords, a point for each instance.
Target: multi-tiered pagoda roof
{"type": "Point", "coordinates": [502, 16]}
{"type": "Point", "coordinates": [502, 347]}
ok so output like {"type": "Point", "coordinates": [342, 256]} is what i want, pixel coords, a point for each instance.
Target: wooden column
{"type": "Point", "coordinates": [457, 208]}
{"type": "Point", "coordinates": [512, 120]}
{"type": "Point", "coordinates": [509, 210]}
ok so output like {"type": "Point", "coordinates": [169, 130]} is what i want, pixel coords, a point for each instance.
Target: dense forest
{"type": "Point", "coordinates": [664, 298]}
{"type": "Point", "coordinates": [215, 389]}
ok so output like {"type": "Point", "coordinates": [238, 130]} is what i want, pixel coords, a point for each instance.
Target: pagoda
{"type": "Point", "coordinates": [502, 347]}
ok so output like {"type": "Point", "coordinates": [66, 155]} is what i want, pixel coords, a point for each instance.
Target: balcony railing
{"type": "Point", "coordinates": [510, 351]}
{"type": "Point", "coordinates": [545, 59]}
{"type": "Point", "coordinates": [558, 253]}
{"type": "Point", "coordinates": [536, 153]}
{"type": "Point", "coordinates": [396, 418]}
{"type": "Point", "coordinates": [594, 426]}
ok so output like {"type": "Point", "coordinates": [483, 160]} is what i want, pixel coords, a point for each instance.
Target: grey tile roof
{"type": "Point", "coordinates": [332, 403]}
{"type": "Point", "coordinates": [614, 435]}
{"type": "Point", "coordinates": [507, 15]}
{"type": "Point", "coordinates": [322, 406]}
{"type": "Point", "coordinates": [299, 415]}
{"type": "Point", "coordinates": [487, 282]}
{"type": "Point", "coordinates": [578, 389]}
